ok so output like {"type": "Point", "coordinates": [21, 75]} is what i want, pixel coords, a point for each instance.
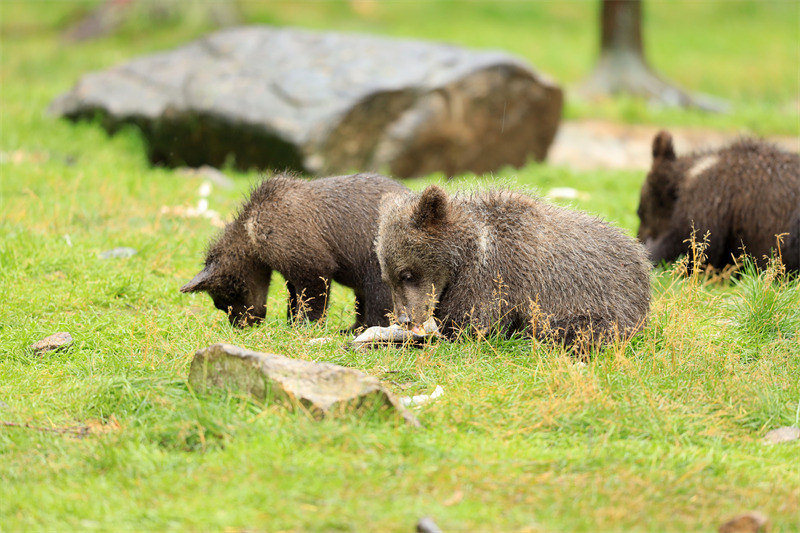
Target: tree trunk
{"type": "Point", "coordinates": [621, 26]}
{"type": "Point", "coordinates": [622, 67]}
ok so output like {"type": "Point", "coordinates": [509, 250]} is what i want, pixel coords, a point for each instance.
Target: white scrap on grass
{"type": "Point", "coordinates": [205, 189]}
{"type": "Point", "coordinates": [69, 241]}
{"type": "Point", "coordinates": [414, 401]}
{"type": "Point", "coordinates": [194, 212]}
{"type": "Point", "coordinates": [566, 193]}
{"type": "Point", "coordinates": [320, 340]}
{"type": "Point", "coordinates": [201, 211]}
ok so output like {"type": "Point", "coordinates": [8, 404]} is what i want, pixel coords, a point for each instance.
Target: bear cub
{"type": "Point", "coordinates": [502, 261]}
{"type": "Point", "coordinates": [742, 195]}
{"type": "Point", "coordinates": [311, 232]}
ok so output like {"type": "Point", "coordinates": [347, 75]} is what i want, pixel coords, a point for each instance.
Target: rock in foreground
{"type": "Point", "coordinates": [326, 103]}
{"type": "Point", "coordinates": [752, 522]}
{"type": "Point", "coordinates": [324, 389]}
{"type": "Point", "coordinates": [782, 434]}
{"type": "Point", "coordinates": [56, 341]}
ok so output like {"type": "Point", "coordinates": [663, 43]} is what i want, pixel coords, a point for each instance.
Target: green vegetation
{"type": "Point", "coordinates": [662, 433]}
{"type": "Point", "coordinates": [743, 51]}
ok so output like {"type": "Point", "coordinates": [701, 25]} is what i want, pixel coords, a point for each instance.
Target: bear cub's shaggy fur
{"type": "Point", "coordinates": [503, 261]}
{"type": "Point", "coordinates": [742, 195]}
{"type": "Point", "coordinates": [311, 232]}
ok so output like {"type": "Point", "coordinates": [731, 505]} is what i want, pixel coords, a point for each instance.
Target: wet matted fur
{"type": "Point", "coordinates": [742, 196]}
{"type": "Point", "coordinates": [312, 232]}
{"type": "Point", "coordinates": [505, 261]}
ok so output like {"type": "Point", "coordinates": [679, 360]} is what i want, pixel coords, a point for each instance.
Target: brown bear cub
{"type": "Point", "coordinates": [742, 195]}
{"type": "Point", "coordinates": [501, 261]}
{"type": "Point", "coordinates": [311, 232]}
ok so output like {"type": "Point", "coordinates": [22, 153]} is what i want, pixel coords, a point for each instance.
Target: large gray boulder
{"type": "Point", "coordinates": [326, 103]}
{"type": "Point", "coordinates": [324, 389]}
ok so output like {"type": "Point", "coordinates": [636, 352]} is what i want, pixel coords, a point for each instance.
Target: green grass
{"type": "Point", "coordinates": [663, 433]}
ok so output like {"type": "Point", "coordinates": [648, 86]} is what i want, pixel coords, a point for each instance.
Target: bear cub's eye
{"type": "Point", "coordinates": [406, 277]}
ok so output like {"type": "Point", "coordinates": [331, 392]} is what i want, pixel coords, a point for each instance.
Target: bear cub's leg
{"type": "Point", "coordinates": [291, 304]}
{"type": "Point", "coordinates": [370, 311]}
{"type": "Point", "coordinates": [376, 304]}
{"type": "Point", "coordinates": [308, 299]}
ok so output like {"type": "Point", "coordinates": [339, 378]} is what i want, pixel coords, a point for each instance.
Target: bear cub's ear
{"type": "Point", "coordinates": [432, 207]}
{"type": "Point", "coordinates": [663, 147]}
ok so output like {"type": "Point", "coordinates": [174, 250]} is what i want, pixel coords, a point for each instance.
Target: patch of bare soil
{"type": "Point", "coordinates": [598, 144]}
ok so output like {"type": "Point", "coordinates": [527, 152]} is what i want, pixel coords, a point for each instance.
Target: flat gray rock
{"type": "Point", "coordinates": [326, 103]}
{"type": "Point", "coordinates": [784, 434]}
{"type": "Point", "coordinates": [56, 341]}
{"type": "Point", "coordinates": [324, 389]}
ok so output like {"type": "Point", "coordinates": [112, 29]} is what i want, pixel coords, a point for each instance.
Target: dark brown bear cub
{"type": "Point", "coordinates": [311, 232]}
{"type": "Point", "coordinates": [503, 261]}
{"type": "Point", "coordinates": [742, 196]}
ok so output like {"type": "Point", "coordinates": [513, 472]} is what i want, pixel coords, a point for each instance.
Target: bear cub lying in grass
{"type": "Point", "coordinates": [742, 195]}
{"type": "Point", "coordinates": [311, 232]}
{"type": "Point", "coordinates": [502, 261]}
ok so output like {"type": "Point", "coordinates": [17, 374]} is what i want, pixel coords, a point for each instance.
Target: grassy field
{"type": "Point", "coordinates": [663, 433]}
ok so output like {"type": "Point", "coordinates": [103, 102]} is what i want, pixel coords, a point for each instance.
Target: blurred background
{"type": "Point", "coordinates": [743, 51]}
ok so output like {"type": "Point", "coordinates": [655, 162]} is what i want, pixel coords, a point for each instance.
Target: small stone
{"type": "Point", "coordinates": [118, 253]}
{"type": "Point", "coordinates": [4, 405]}
{"type": "Point", "coordinates": [427, 525]}
{"type": "Point", "coordinates": [56, 341]}
{"type": "Point", "coordinates": [416, 401]}
{"type": "Point", "coordinates": [750, 522]}
{"type": "Point", "coordinates": [323, 389]}
{"type": "Point", "coordinates": [784, 434]}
